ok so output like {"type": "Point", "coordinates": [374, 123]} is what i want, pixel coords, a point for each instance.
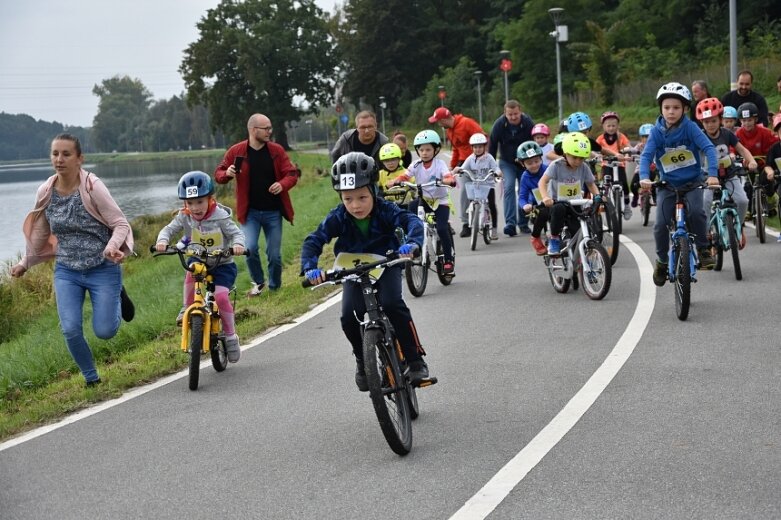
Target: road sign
{"type": "Point", "coordinates": [506, 65]}
{"type": "Point", "coordinates": [344, 119]}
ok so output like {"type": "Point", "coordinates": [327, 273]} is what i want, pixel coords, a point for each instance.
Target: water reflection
{"type": "Point", "coordinates": [140, 188]}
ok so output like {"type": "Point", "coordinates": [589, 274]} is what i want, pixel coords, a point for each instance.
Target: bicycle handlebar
{"type": "Point", "coordinates": [473, 175]}
{"type": "Point", "coordinates": [338, 276]}
{"type": "Point", "coordinates": [194, 250]}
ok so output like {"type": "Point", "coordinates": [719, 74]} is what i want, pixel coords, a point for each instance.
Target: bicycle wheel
{"type": "Point", "coordinates": [717, 246]}
{"type": "Point", "coordinates": [444, 279]}
{"type": "Point", "coordinates": [487, 224]}
{"type": "Point", "coordinates": [617, 199]}
{"type": "Point", "coordinates": [729, 223]}
{"type": "Point", "coordinates": [645, 207]}
{"type": "Point", "coordinates": [196, 342]}
{"type": "Point", "coordinates": [608, 236]}
{"type": "Point", "coordinates": [416, 271]}
{"type": "Point", "coordinates": [475, 226]}
{"type": "Point", "coordinates": [560, 283]}
{"type": "Point", "coordinates": [682, 284]}
{"type": "Point", "coordinates": [596, 283]}
{"type": "Point", "coordinates": [388, 392]}
{"type": "Point", "coordinates": [219, 353]}
{"type": "Point", "coordinates": [759, 213]}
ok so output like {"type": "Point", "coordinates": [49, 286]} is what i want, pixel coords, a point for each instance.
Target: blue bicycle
{"type": "Point", "coordinates": [682, 258]}
{"type": "Point", "coordinates": [724, 224]}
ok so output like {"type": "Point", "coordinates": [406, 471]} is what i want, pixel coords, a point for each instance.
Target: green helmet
{"type": "Point", "coordinates": [576, 144]}
{"type": "Point", "coordinates": [528, 150]}
{"type": "Point", "coordinates": [557, 139]}
{"type": "Point", "coordinates": [390, 151]}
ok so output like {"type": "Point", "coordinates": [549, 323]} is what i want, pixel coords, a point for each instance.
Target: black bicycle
{"type": "Point", "coordinates": [392, 392]}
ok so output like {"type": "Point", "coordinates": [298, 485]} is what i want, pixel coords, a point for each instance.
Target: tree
{"type": "Point", "coordinates": [256, 56]}
{"type": "Point", "coordinates": [122, 110]}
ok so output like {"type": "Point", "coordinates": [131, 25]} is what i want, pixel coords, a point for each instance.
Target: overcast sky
{"type": "Point", "coordinates": [52, 53]}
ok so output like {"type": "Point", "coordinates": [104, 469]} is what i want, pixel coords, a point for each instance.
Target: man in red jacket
{"type": "Point", "coordinates": [459, 129]}
{"type": "Point", "coordinates": [264, 175]}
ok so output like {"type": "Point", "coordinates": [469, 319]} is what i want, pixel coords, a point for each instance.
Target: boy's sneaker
{"type": "Point", "coordinates": [418, 370]}
{"type": "Point", "coordinates": [360, 376]}
{"type": "Point", "coordinates": [660, 274]}
{"type": "Point", "coordinates": [706, 258]}
{"type": "Point", "coordinates": [494, 234]}
{"type": "Point", "coordinates": [448, 268]}
{"type": "Point", "coordinates": [538, 246]}
{"type": "Point", "coordinates": [465, 231]}
{"type": "Point", "coordinates": [634, 202]}
{"type": "Point", "coordinates": [627, 212]}
{"type": "Point", "coordinates": [126, 305]}
{"type": "Point", "coordinates": [256, 289]}
{"type": "Point", "coordinates": [510, 230]}
{"type": "Point", "coordinates": [233, 348]}
{"type": "Point", "coordinates": [180, 316]}
{"type": "Point", "coordinates": [554, 246]}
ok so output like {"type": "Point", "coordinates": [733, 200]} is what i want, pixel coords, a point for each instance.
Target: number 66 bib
{"type": "Point", "coordinates": [675, 159]}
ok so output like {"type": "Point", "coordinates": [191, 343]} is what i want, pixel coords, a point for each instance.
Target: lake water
{"type": "Point", "coordinates": [140, 188]}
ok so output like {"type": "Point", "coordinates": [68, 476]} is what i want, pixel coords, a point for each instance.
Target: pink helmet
{"type": "Point", "coordinates": [609, 115]}
{"type": "Point", "coordinates": [541, 128]}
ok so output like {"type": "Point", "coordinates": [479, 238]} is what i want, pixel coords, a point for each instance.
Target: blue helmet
{"type": "Point", "coordinates": [645, 130]}
{"type": "Point", "coordinates": [195, 184]}
{"type": "Point", "coordinates": [578, 122]}
{"type": "Point", "coordinates": [730, 113]}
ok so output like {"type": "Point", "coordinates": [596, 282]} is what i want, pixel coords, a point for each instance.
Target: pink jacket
{"type": "Point", "coordinates": [41, 245]}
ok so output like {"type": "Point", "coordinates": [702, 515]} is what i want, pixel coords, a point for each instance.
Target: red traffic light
{"type": "Point", "coordinates": [506, 65]}
{"type": "Point", "coordinates": [442, 94]}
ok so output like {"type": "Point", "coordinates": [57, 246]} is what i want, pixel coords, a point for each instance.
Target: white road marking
{"type": "Point", "coordinates": [496, 490]}
{"type": "Point", "coordinates": [136, 392]}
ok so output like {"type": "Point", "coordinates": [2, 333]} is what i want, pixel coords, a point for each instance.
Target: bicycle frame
{"type": "Point", "coordinates": [204, 304]}
{"type": "Point", "coordinates": [679, 230]}
{"type": "Point", "coordinates": [430, 235]}
{"type": "Point", "coordinates": [580, 238]}
{"type": "Point", "coordinates": [721, 207]}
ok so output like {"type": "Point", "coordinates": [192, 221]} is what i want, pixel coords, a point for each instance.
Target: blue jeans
{"type": "Point", "coordinates": [104, 283]}
{"type": "Point", "coordinates": [696, 220]}
{"type": "Point", "coordinates": [271, 224]}
{"type": "Point", "coordinates": [512, 186]}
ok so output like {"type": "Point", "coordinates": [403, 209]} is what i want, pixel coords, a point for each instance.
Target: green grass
{"type": "Point", "coordinates": [39, 382]}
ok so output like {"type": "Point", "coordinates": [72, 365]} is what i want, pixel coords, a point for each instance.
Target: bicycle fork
{"type": "Point", "coordinates": [680, 231]}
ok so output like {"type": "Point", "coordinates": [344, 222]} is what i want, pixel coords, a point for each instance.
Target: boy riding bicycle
{"type": "Point", "coordinates": [364, 223]}
{"type": "Point", "coordinates": [531, 156]}
{"type": "Point", "coordinates": [675, 145]}
{"type": "Point", "coordinates": [205, 221]}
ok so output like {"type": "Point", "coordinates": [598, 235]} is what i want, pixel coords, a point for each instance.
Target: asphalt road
{"type": "Point", "coordinates": [689, 427]}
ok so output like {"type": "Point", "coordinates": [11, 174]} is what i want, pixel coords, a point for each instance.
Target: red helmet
{"type": "Point", "coordinates": [709, 107]}
{"type": "Point", "coordinates": [541, 128]}
{"type": "Point", "coordinates": [608, 115]}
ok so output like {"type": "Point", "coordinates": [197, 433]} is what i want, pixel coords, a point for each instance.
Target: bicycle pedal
{"type": "Point", "coordinates": [426, 381]}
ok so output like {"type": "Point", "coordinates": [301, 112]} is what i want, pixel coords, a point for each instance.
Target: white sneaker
{"type": "Point", "coordinates": [256, 289]}
{"type": "Point", "coordinates": [494, 234]}
{"type": "Point", "coordinates": [627, 212]}
{"type": "Point", "coordinates": [233, 348]}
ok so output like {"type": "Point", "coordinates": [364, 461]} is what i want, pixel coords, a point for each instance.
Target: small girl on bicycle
{"type": "Point", "coordinates": [205, 221]}
{"type": "Point", "coordinates": [563, 180]}
{"type": "Point", "coordinates": [613, 142]}
{"type": "Point", "coordinates": [480, 163]}
{"type": "Point", "coordinates": [365, 223]}
{"type": "Point", "coordinates": [675, 145]}
{"type": "Point", "coordinates": [392, 173]}
{"type": "Point", "coordinates": [427, 144]}
{"type": "Point", "coordinates": [530, 156]}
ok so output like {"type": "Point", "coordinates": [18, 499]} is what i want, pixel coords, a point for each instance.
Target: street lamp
{"type": "Point", "coordinates": [383, 105]}
{"type": "Point", "coordinates": [309, 124]}
{"type": "Point", "coordinates": [479, 97]}
{"type": "Point", "coordinates": [505, 65]}
{"type": "Point", "coordinates": [560, 35]}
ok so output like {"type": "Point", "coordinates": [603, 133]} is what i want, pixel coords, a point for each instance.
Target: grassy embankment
{"type": "Point", "coordinates": [39, 382]}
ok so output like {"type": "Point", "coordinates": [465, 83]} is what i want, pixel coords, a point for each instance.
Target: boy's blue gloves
{"type": "Point", "coordinates": [597, 199]}
{"type": "Point", "coordinates": [407, 249]}
{"type": "Point", "coordinates": [313, 274]}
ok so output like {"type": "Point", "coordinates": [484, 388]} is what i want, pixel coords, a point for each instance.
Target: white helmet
{"type": "Point", "coordinates": [674, 90]}
{"type": "Point", "coordinates": [478, 139]}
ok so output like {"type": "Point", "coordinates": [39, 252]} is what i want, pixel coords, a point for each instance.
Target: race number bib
{"type": "Point", "coordinates": [568, 191]}
{"type": "Point", "coordinates": [212, 240]}
{"type": "Point", "coordinates": [347, 181]}
{"type": "Point", "coordinates": [537, 195]}
{"type": "Point", "coordinates": [676, 159]}
{"type": "Point", "coordinates": [725, 162]}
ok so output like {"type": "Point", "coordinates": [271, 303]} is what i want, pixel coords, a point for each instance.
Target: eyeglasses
{"type": "Point", "coordinates": [266, 128]}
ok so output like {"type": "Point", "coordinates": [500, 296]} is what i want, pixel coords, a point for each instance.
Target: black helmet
{"type": "Point", "coordinates": [747, 110]}
{"type": "Point", "coordinates": [353, 170]}
{"type": "Point", "coordinates": [195, 184]}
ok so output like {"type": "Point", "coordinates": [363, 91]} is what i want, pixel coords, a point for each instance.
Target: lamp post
{"type": "Point", "coordinates": [442, 95]}
{"type": "Point", "coordinates": [505, 65]}
{"type": "Point", "coordinates": [309, 124]}
{"type": "Point", "coordinates": [383, 105]}
{"type": "Point", "coordinates": [560, 35]}
{"type": "Point", "coordinates": [479, 97]}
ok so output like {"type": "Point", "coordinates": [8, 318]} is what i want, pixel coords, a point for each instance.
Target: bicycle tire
{"type": "Point", "coordinates": [617, 199]}
{"type": "Point", "coordinates": [444, 279]}
{"type": "Point", "coordinates": [391, 401]}
{"type": "Point", "coordinates": [608, 237]}
{"type": "Point", "coordinates": [645, 208]}
{"type": "Point", "coordinates": [560, 284]}
{"type": "Point", "coordinates": [195, 344]}
{"type": "Point", "coordinates": [729, 223]}
{"type": "Point", "coordinates": [597, 284]}
{"type": "Point", "coordinates": [219, 353]}
{"type": "Point", "coordinates": [717, 245]}
{"type": "Point", "coordinates": [759, 214]}
{"type": "Point", "coordinates": [412, 397]}
{"type": "Point", "coordinates": [682, 277]}
{"type": "Point", "coordinates": [487, 225]}
{"type": "Point", "coordinates": [416, 272]}
{"type": "Point", "coordinates": [475, 226]}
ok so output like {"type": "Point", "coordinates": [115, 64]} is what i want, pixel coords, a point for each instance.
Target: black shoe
{"type": "Point", "coordinates": [706, 258]}
{"type": "Point", "coordinates": [418, 370]}
{"type": "Point", "coordinates": [128, 309]}
{"type": "Point", "coordinates": [660, 274]}
{"type": "Point", "coordinates": [465, 231]}
{"type": "Point", "coordinates": [89, 384]}
{"type": "Point", "coordinates": [360, 377]}
{"type": "Point", "coordinates": [510, 231]}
